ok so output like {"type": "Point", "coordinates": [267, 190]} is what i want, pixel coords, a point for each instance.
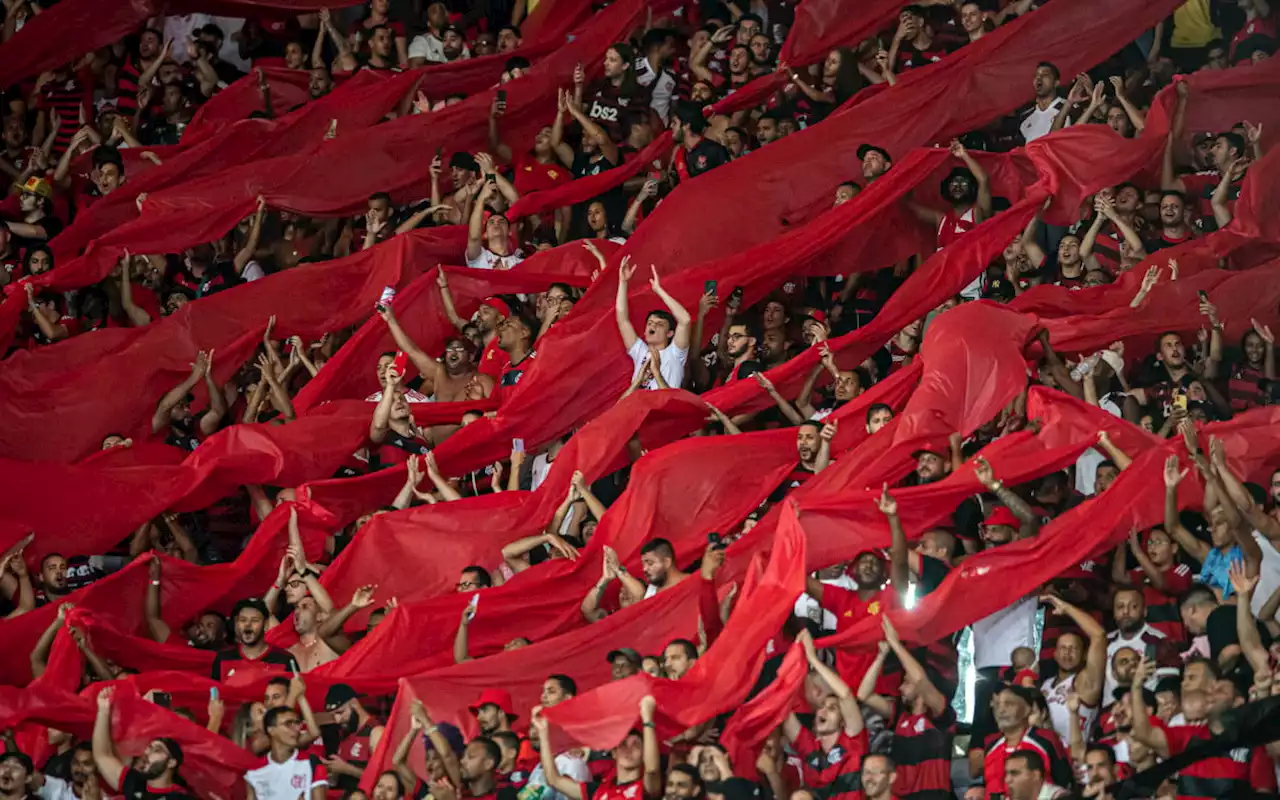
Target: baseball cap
{"type": "Point", "coordinates": [1025, 692]}
{"type": "Point", "coordinates": [464, 160]}
{"type": "Point", "coordinates": [1001, 515]}
{"type": "Point", "coordinates": [626, 652]}
{"type": "Point", "coordinates": [497, 304]}
{"type": "Point", "coordinates": [37, 185]}
{"type": "Point", "coordinates": [871, 148]}
{"type": "Point", "coordinates": [338, 694]}
{"type": "Point", "coordinates": [172, 746]}
{"type": "Point", "coordinates": [495, 697]}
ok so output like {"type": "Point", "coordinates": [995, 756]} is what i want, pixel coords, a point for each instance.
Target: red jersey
{"type": "Point", "coordinates": [922, 753]}
{"type": "Point", "coordinates": [849, 609]}
{"type": "Point", "coordinates": [1262, 26]}
{"type": "Point", "coordinates": [1036, 740]}
{"type": "Point", "coordinates": [1236, 773]}
{"type": "Point", "coordinates": [1162, 605]}
{"type": "Point", "coordinates": [610, 789]}
{"type": "Point", "coordinates": [837, 771]}
{"type": "Point", "coordinates": [532, 175]}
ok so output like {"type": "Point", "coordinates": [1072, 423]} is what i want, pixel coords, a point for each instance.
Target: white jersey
{"type": "Point", "coordinates": [1055, 694]}
{"type": "Point", "coordinates": [287, 780]}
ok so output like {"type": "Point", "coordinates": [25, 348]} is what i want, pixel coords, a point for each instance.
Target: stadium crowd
{"type": "Point", "coordinates": [927, 475]}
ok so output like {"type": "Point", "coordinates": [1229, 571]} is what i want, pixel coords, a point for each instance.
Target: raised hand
{"type": "Point", "coordinates": [626, 270]}
{"type": "Point", "coordinates": [1263, 331]}
{"type": "Point", "coordinates": [983, 472]}
{"type": "Point", "coordinates": [1240, 581]}
{"type": "Point", "coordinates": [957, 149]}
{"type": "Point", "coordinates": [1172, 475]}
{"type": "Point", "coordinates": [764, 382]}
{"type": "Point", "coordinates": [887, 503]}
{"type": "Point", "coordinates": [828, 431]}
{"type": "Point", "coordinates": [655, 283]}
{"type": "Point", "coordinates": [363, 597]}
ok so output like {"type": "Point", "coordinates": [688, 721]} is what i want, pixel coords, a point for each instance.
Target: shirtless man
{"type": "Point", "coordinates": [310, 651]}
{"type": "Point", "coordinates": [446, 380]}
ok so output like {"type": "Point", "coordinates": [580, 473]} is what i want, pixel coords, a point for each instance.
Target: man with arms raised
{"type": "Point", "coordinates": [445, 380]}
{"type": "Point", "coordinates": [310, 651]}
{"type": "Point", "coordinates": [666, 332]}
{"type": "Point", "coordinates": [250, 620]}
{"type": "Point", "coordinates": [831, 754]}
{"type": "Point", "coordinates": [154, 775]}
{"type": "Point", "coordinates": [637, 763]}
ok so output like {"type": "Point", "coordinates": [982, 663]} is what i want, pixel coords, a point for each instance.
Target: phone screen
{"type": "Point", "coordinates": [709, 287]}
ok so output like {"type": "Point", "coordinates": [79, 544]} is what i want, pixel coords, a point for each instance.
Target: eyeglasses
{"type": "Point", "coordinates": [467, 585]}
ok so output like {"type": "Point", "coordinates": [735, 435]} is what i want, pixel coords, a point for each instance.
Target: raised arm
{"type": "Point", "coordinates": [109, 765]}
{"type": "Point", "coordinates": [825, 436]}
{"type": "Point", "coordinates": [1246, 626]}
{"type": "Point", "coordinates": [160, 419]}
{"type": "Point", "coordinates": [1143, 730]}
{"type": "Point", "coordinates": [446, 298]}
{"type": "Point", "coordinates": [1088, 683]}
{"type": "Point", "coordinates": [381, 422]}
{"type": "Point", "coordinates": [844, 695]}
{"type": "Point", "coordinates": [1189, 544]}
{"type": "Point", "coordinates": [475, 226]}
{"type": "Point", "coordinates": [793, 416]}
{"type": "Point", "coordinates": [934, 700]}
{"type": "Point", "coordinates": [428, 367]}
{"type": "Point", "coordinates": [1030, 524]}
{"type": "Point", "coordinates": [564, 785]}
{"type": "Point", "coordinates": [452, 769]}
{"type": "Point", "coordinates": [980, 175]}
{"type": "Point", "coordinates": [621, 308]}
{"type": "Point", "coordinates": [652, 753]}
{"type": "Point", "coordinates": [683, 320]}
{"type": "Point", "coordinates": [563, 151]}
{"type": "Point", "coordinates": [245, 254]}
{"type": "Point", "coordinates": [1118, 456]}
{"type": "Point", "coordinates": [899, 554]}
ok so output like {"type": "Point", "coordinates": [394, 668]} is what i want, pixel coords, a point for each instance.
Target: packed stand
{"type": "Point", "coordinates": [1110, 680]}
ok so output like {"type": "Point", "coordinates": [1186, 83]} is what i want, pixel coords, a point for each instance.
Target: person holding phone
{"type": "Point", "coordinates": [489, 237]}
{"type": "Point", "coordinates": [285, 770]}
{"type": "Point", "coordinates": [666, 332]}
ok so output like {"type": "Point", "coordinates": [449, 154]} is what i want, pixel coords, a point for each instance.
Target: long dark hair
{"type": "Point", "coordinates": [848, 80]}
{"type": "Point", "coordinates": [630, 87]}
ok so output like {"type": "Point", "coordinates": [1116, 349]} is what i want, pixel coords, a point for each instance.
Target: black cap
{"type": "Point", "coordinates": [871, 148]}
{"type": "Point", "coordinates": [250, 602]}
{"type": "Point", "coordinates": [464, 160]}
{"type": "Point", "coordinates": [1025, 692]}
{"type": "Point", "coordinates": [735, 789]}
{"type": "Point", "coordinates": [338, 694]}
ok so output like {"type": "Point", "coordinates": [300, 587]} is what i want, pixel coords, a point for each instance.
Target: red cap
{"type": "Point", "coordinates": [818, 316]}
{"type": "Point", "coordinates": [497, 304]}
{"type": "Point", "coordinates": [1001, 515]}
{"type": "Point", "coordinates": [1025, 675]}
{"type": "Point", "coordinates": [497, 697]}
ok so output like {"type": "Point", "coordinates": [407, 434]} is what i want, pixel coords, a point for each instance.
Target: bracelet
{"type": "Point", "coordinates": [431, 730]}
{"type": "Point", "coordinates": [996, 486]}
{"type": "Point", "coordinates": [648, 724]}
{"type": "Point", "coordinates": [275, 586]}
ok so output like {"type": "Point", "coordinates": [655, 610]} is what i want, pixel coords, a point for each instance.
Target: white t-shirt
{"type": "Point", "coordinates": [288, 780]}
{"type": "Point", "coordinates": [56, 789]}
{"type": "Point", "coordinates": [1055, 695]}
{"type": "Point", "coordinates": [410, 395]}
{"type": "Point", "coordinates": [1039, 122]}
{"type": "Point", "coordinates": [672, 366]}
{"type": "Point", "coordinates": [570, 766]}
{"type": "Point", "coordinates": [1138, 642]}
{"type": "Point", "coordinates": [252, 272]}
{"type": "Point", "coordinates": [997, 635]}
{"type": "Point", "coordinates": [491, 260]}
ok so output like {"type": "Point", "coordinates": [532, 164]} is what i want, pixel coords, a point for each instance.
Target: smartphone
{"type": "Point", "coordinates": [384, 301]}
{"type": "Point", "coordinates": [162, 699]}
{"type": "Point", "coordinates": [517, 445]}
{"type": "Point", "coordinates": [400, 362]}
{"type": "Point", "coordinates": [714, 542]}
{"type": "Point", "coordinates": [475, 601]}
{"type": "Point", "coordinates": [736, 295]}
{"type": "Point", "coordinates": [213, 692]}
{"type": "Point", "coordinates": [709, 287]}
{"type": "Point", "coordinates": [1180, 400]}
{"type": "Point", "coordinates": [502, 95]}
{"type": "Point", "coordinates": [1204, 296]}
{"type": "Point", "coordinates": [491, 178]}
{"type": "Point", "coordinates": [439, 152]}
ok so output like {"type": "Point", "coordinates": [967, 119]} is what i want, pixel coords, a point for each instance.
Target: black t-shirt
{"type": "Point", "coordinates": [52, 227]}
{"type": "Point", "coordinates": [932, 573]}
{"type": "Point", "coordinates": [706, 155]}
{"type": "Point", "coordinates": [1221, 630]}
{"type": "Point", "coordinates": [227, 659]}
{"type": "Point", "coordinates": [133, 786]}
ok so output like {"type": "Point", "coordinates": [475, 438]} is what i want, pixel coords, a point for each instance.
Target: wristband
{"type": "Point", "coordinates": [996, 486]}
{"type": "Point", "coordinates": [648, 724]}
{"type": "Point", "coordinates": [155, 583]}
{"type": "Point", "coordinates": [431, 730]}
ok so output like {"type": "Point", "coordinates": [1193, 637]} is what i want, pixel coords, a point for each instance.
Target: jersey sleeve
{"type": "Point", "coordinates": [1177, 579]}
{"type": "Point", "coordinates": [1178, 736]}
